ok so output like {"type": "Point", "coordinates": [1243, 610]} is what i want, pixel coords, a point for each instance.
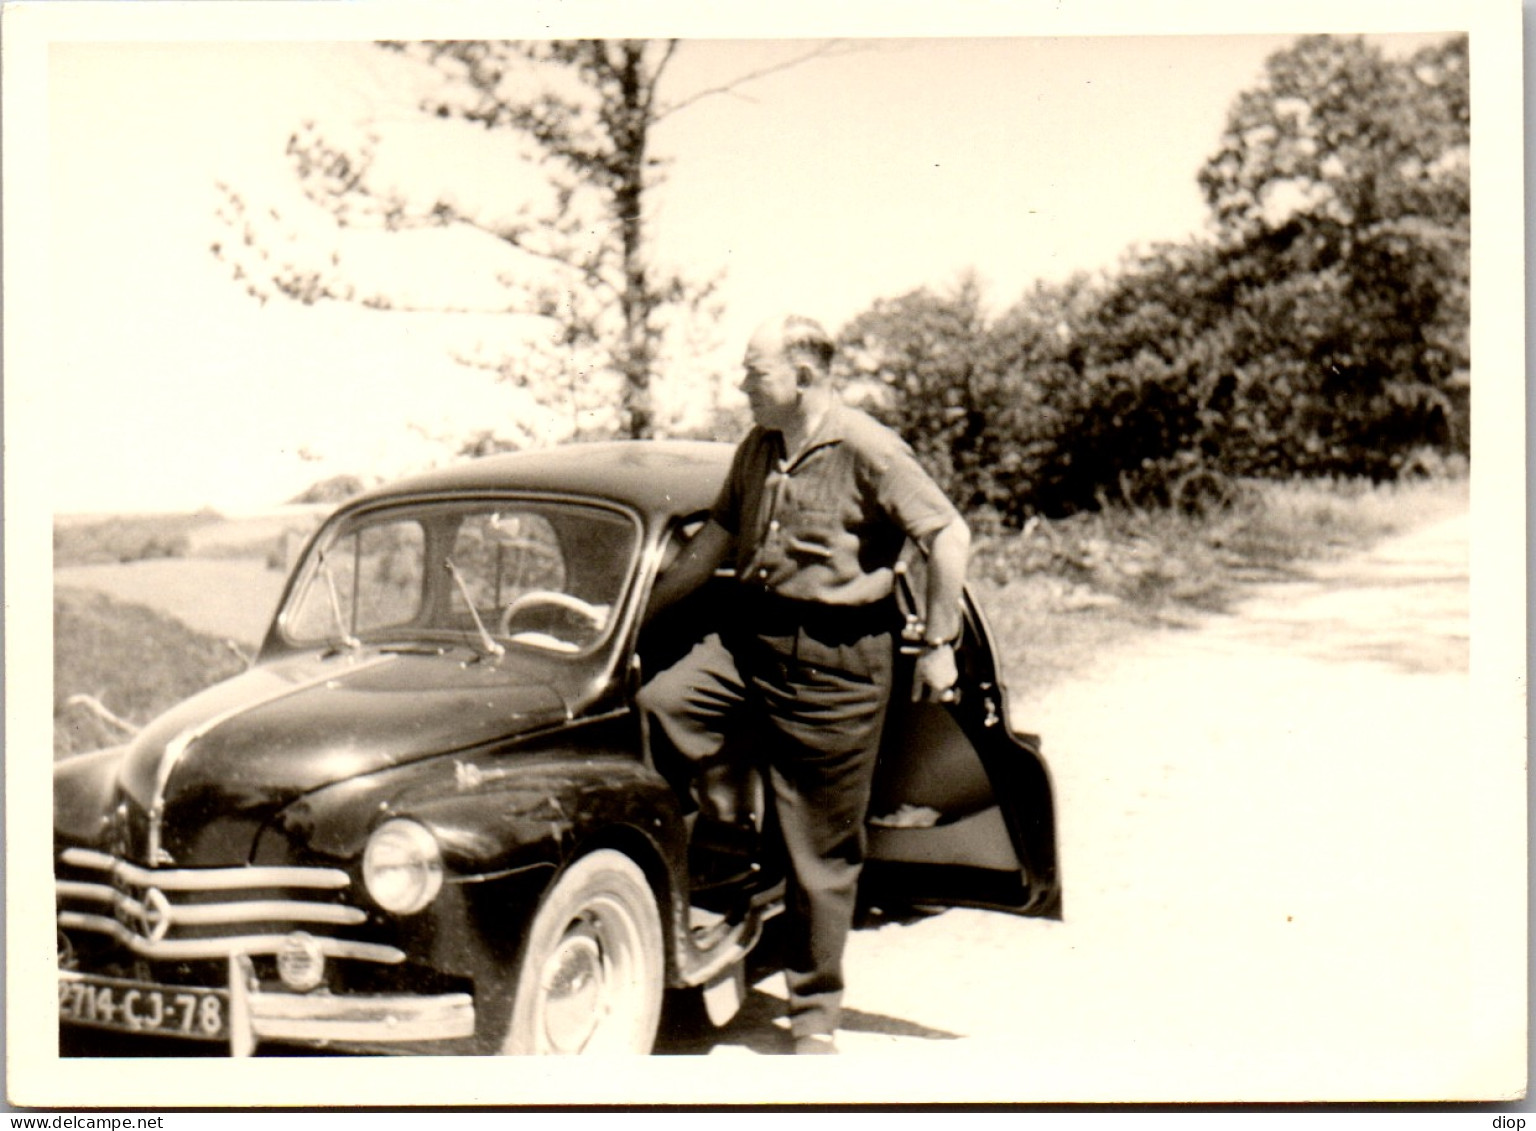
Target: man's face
{"type": "Point", "coordinates": [770, 381]}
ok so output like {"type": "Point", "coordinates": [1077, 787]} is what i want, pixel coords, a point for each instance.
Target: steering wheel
{"type": "Point", "coordinates": [596, 615]}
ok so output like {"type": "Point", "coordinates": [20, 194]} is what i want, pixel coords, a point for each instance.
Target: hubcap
{"type": "Point", "coordinates": [573, 983]}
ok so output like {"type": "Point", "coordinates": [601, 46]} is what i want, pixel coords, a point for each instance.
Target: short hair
{"type": "Point", "coordinates": [803, 339]}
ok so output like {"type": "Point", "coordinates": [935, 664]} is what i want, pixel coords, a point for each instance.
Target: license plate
{"type": "Point", "coordinates": [142, 1007]}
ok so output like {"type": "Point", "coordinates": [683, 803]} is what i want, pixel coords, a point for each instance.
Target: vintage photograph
{"type": "Point", "coordinates": [940, 545]}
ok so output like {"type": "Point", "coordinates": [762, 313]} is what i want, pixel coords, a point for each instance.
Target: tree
{"type": "Point", "coordinates": [1038, 410]}
{"type": "Point", "coordinates": [1130, 387]}
{"type": "Point", "coordinates": [587, 109]}
{"type": "Point", "coordinates": [922, 354]}
{"type": "Point", "coordinates": [598, 131]}
{"type": "Point", "coordinates": [1341, 198]}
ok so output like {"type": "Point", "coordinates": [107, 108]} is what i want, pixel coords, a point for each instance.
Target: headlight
{"type": "Point", "coordinates": [402, 867]}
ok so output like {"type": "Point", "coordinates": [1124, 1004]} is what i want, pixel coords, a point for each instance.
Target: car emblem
{"type": "Point", "coordinates": [155, 918]}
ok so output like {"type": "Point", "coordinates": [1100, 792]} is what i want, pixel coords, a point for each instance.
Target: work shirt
{"type": "Point", "coordinates": [828, 523]}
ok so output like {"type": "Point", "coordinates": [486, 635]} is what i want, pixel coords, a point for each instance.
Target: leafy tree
{"type": "Point", "coordinates": [1036, 350]}
{"type": "Point", "coordinates": [1324, 329]}
{"type": "Point", "coordinates": [1132, 394]}
{"type": "Point", "coordinates": [1341, 198]}
{"type": "Point", "coordinates": [923, 353]}
{"type": "Point", "coordinates": [986, 406]}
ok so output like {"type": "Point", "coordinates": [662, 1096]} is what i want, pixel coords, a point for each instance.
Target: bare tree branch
{"type": "Point", "coordinates": [829, 48]}
{"type": "Point", "coordinates": [101, 711]}
{"type": "Point", "coordinates": [661, 66]}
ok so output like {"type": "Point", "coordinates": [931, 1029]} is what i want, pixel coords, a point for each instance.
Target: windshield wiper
{"type": "Point", "coordinates": [347, 638]}
{"type": "Point", "coordinates": [486, 642]}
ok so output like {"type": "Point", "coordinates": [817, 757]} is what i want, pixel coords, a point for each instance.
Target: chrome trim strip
{"type": "Point", "coordinates": [317, 1017]}
{"type": "Point", "coordinates": [176, 748]}
{"type": "Point", "coordinates": [206, 914]}
{"type": "Point", "coordinates": [207, 879]}
{"type": "Point", "coordinates": [97, 893]}
{"type": "Point", "coordinates": [258, 911]}
{"type": "Point", "coordinates": [222, 947]}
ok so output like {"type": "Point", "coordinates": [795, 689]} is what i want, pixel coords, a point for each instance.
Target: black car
{"type": "Point", "coordinates": [425, 818]}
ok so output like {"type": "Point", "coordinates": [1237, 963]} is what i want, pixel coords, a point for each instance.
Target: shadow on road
{"type": "Point", "coordinates": [762, 1028]}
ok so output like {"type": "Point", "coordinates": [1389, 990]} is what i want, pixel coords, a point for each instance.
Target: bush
{"type": "Point", "coordinates": [131, 538]}
{"type": "Point", "coordinates": [1062, 594]}
{"type": "Point", "coordinates": [336, 489]}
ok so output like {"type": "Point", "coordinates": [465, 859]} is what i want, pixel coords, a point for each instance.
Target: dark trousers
{"type": "Point", "coordinates": [815, 683]}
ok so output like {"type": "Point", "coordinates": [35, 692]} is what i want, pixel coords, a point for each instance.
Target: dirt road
{"type": "Point", "coordinates": [1276, 839]}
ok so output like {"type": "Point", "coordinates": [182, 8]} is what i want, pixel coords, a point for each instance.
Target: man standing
{"type": "Point", "coordinates": [818, 503]}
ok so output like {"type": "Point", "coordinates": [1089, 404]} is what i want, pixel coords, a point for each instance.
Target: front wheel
{"type": "Point", "coordinates": [592, 970]}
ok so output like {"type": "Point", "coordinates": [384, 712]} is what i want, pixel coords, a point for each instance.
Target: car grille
{"type": "Point", "coordinates": [190, 914]}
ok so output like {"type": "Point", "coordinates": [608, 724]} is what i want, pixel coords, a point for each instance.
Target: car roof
{"type": "Point", "coordinates": [659, 478]}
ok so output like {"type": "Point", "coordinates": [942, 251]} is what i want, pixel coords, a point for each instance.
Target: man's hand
{"type": "Point", "coordinates": [935, 675]}
{"type": "Point", "coordinates": [948, 552]}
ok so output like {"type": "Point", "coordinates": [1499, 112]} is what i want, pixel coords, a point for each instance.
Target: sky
{"type": "Point", "coordinates": [886, 166]}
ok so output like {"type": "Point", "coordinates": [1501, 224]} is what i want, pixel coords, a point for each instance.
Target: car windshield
{"type": "Point", "coordinates": [545, 575]}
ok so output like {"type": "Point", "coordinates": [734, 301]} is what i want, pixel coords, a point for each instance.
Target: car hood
{"type": "Point", "coordinates": [195, 786]}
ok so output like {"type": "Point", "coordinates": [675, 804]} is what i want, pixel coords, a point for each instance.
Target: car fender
{"type": "Point", "coordinates": [83, 790]}
{"type": "Point", "coordinates": [507, 821]}
{"type": "Point", "coordinates": [493, 810]}
{"type": "Point", "coordinates": [506, 839]}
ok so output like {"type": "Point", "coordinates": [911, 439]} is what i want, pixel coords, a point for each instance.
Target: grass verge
{"type": "Point", "coordinates": [130, 659]}
{"type": "Point", "coordinates": [1062, 593]}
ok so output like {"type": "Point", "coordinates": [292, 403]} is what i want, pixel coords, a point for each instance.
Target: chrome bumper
{"type": "Point", "coordinates": [372, 1019]}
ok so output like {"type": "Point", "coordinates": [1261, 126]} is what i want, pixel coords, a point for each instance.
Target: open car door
{"type": "Point", "coordinates": [962, 811]}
